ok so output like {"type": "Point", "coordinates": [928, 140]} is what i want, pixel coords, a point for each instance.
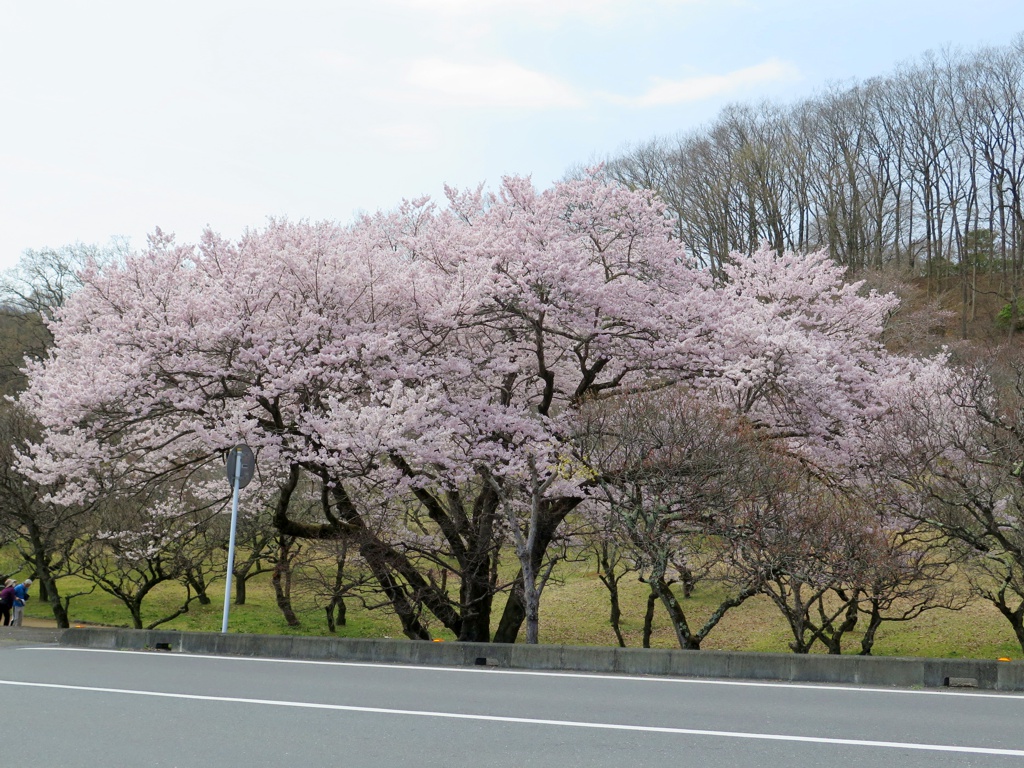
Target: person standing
{"type": "Point", "coordinates": [7, 601]}
{"type": "Point", "coordinates": [20, 598]}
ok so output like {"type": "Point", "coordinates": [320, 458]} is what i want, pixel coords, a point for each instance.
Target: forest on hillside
{"type": "Point", "coordinates": [920, 172]}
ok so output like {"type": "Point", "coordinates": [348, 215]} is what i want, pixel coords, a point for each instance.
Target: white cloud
{"type": "Point", "coordinates": [494, 84]}
{"type": "Point", "coordinates": [665, 92]}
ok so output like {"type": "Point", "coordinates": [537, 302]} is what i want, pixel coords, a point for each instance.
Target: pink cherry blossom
{"type": "Point", "coordinates": [416, 360]}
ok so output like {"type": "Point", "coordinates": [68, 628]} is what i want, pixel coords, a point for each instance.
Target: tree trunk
{"type": "Point", "coordinates": [1014, 615]}
{"type": "Point", "coordinates": [515, 609]}
{"type": "Point", "coordinates": [336, 611]}
{"type": "Point", "coordinates": [867, 642]}
{"type": "Point", "coordinates": [336, 608]}
{"type": "Point", "coordinates": [834, 641]}
{"type": "Point", "coordinates": [135, 609]}
{"type": "Point", "coordinates": [686, 639]}
{"type": "Point", "coordinates": [477, 597]}
{"type": "Point", "coordinates": [606, 573]}
{"type": "Point", "coordinates": [52, 596]}
{"type": "Point", "coordinates": [616, 617]}
{"type": "Point", "coordinates": [531, 597]}
{"type": "Point", "coordinates": [375, 554]}
{"type": "Point", "coordinates": [513, 616]}
{"type": "Point", "coordinates": [282, 582]}
{"type": "Point", "coordinates": [282, 589]}
{"type": "Point", "coordinates": [198, 583]}
{"type": "Point", "coordinates": [652, 601]}
{"type": "Point", "coordinates": [48, 590]}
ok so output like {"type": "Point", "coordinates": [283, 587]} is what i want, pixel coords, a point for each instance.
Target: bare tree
{"type": "Point", "coordinates": [613, 565]}
{"type": "Point", "coordinates": [670, 475]}
{"type": "Point", "coordinates": [135, 548]}
{"type": "Point", "coordinates": [331, 573]}
{"type": "Point", "coordinates": [922, 169]}
{"type": "Point", "coordinates": [958, 474]}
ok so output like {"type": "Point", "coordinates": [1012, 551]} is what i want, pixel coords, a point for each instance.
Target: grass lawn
{"type": "Point", "coordinates": [574, 611]}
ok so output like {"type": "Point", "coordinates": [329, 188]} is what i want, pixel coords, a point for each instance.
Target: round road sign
{"type": "Point", "coordinates": [248, 465]}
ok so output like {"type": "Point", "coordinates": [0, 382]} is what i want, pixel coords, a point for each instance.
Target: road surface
{"type": "Point", "coordinates": [76, 707]}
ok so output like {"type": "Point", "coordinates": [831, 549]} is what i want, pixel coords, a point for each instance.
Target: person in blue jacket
{"type": "Point", "coordinates": [20, 598]}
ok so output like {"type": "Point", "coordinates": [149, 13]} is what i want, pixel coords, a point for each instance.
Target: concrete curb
{"type": "Point", "coordinates": [30, 634]}
{"type": "Point", "coordinates": [862, 670]}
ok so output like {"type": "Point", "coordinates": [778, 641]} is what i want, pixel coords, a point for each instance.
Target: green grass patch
{"type": "Point", "coordinates": [574, 611]}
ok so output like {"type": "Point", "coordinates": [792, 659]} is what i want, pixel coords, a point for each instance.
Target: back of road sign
{"type": "Point", "coordinates": [248, 465]}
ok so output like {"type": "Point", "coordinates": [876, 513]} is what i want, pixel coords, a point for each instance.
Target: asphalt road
{"type": "Point", "coordinates": [65, 708]}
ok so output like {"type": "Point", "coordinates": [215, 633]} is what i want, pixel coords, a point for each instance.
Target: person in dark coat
{"type": "Point", "coordinates": [7, 601]}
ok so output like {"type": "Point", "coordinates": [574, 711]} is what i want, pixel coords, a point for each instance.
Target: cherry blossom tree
{"type": "Point", "coordinates": [419, 364]}
{"type": "Point", "coordinates": [44, 532]}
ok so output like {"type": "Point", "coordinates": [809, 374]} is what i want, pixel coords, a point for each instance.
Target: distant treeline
{"type": "Point", "coordinates": [924, 168]}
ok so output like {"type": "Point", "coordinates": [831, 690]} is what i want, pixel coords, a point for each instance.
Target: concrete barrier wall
{"type": "Point", "coordinates": [11, 635]}
{"type": "Point", "coordinates": [865, 670]}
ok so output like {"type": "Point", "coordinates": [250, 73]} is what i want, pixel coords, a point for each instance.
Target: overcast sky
{"type": "Point", "coordinates": [118, 117]}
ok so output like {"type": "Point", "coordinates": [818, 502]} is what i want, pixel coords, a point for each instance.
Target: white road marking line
{"type": "Point", "coordinates": [535, 721]}
{"type": "Point", "coordinates": [610, 676]}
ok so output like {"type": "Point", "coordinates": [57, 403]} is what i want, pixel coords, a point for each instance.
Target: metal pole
{"type": "Point", "coordinates": [231, 542]}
